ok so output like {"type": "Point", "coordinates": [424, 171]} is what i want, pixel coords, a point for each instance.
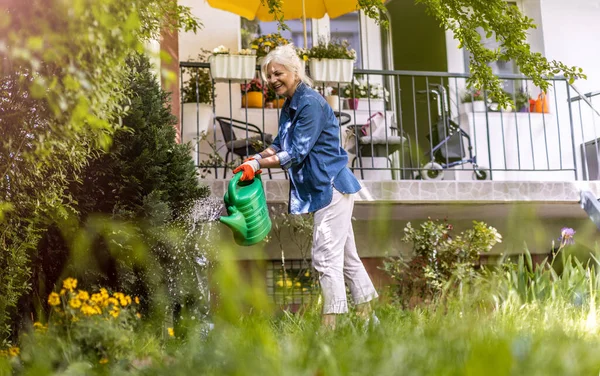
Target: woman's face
{"type": "Point", "coordinates": [281, 80]}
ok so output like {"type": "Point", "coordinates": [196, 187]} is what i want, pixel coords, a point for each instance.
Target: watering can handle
{"type": "Point", "coordinates": [233, 185]}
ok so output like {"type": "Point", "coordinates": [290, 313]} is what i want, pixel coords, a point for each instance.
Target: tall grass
{"type": "Point", "coordinates": [515, 318]}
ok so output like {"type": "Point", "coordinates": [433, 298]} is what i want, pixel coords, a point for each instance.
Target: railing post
{"type": "Point", "coordinates": [572, 129]}
{"type": "Point", "coordinates": [487, 128]}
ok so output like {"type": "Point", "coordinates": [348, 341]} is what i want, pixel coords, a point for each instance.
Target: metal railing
{"type": "Point", "coordinates": [430, 127]}
{"type": "Point", "coordinates": [586, 120]}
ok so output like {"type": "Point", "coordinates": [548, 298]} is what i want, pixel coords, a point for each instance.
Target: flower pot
{"type": "Point", "coordinates": [195, 121]}
{"type": "Point", "coordinates": [232, 67]}
{"type": "Point", "coordinates": [252, 99]}
{"type": "Point", "coordinates": [333, 101]}
{"type": "Point", "coordinates": [331, 70]}
{"type": "Point", "coordinates": [278, 103]}
{"type": "Point", "coordinates": [340, 70]}
{"type": "Point", "coordinates": [479, 106]}
{"type": "Point", "coordinates": [318, 69]}
{"type": "Point", "coordinates": [352, 103]}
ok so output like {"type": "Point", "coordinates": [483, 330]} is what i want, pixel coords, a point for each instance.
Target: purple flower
{"type": "Point", "coordinates": [566, 236]}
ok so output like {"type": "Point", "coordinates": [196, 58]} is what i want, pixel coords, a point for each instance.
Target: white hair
{"type": "Point", "coordinates": [285, 55]}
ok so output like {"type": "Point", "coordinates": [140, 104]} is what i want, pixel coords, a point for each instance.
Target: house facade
{"type": "Point", "coordinates": [535, 163]}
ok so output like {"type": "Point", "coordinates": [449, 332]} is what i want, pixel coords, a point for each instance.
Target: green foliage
{"type": "Point", "coordinates": [373, 9]}
{"type": "Point", "coordinates": [506, 23]}
{"type": "Point", "coordinates": [61, 99]}
{"type": "Point", "coordinates": [146, 179]}
{"type": "Point", "coordinates": [439, 260]}
{"type": "Point", "coordinates": [197, 84]}
{"type": "Point", "coordinates": [331, 50]}
{"type": "Point", "coordinates": [265, 43]}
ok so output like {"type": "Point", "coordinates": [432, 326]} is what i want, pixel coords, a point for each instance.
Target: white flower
{"type": "Point", "coordinates": [221, 50]}
{"type": "Point", "coordinates": [245, 51]}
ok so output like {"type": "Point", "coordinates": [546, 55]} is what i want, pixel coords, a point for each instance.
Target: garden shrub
{"type": "Point", "coordinates": [439, 259]}
{"type": "Point", "coordinates": [145, 179]}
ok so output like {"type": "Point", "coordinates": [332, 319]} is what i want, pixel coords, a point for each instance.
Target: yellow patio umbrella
{"type": "Point", "coordinates": [291, 9]}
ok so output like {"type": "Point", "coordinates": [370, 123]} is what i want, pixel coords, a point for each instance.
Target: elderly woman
{"type": "Point", "coordinates": [308, 147]}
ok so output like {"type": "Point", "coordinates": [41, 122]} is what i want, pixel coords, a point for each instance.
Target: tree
{"type": "Point", "coordinates": [496, 18]}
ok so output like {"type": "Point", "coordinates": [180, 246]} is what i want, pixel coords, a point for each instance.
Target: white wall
{"type": "Point", "coordinates": [571, 30]}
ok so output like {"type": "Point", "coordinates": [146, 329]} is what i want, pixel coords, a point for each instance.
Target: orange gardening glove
{"type": "Point", "coordinates": [252, 158]}
{"type": "Point", "coordinates": [249, 169]}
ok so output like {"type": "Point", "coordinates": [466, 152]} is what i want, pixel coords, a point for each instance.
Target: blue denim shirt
{"type": "Point", "coordinates": [308, 147]}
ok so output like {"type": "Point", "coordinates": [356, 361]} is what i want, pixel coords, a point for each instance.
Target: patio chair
{"type": "Point", "coordinates": [377, 139]}
{"type": "Point", "coordinates": [343, 118]}
{"type": "Point", "coordinates": [243, 147]}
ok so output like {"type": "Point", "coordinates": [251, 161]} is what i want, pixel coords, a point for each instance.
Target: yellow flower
{"type": "Point", "coordinates": [70, 284]}
{"type": "Point", "coordinates": [83, 295]}
{"type": "Point", "coordinates": [115, 312]}
{"type": "Point", "coordinates": [104, 293]}
{"type": "Point", "coordinates": [39, 327]}
{"type": "Point", "coordinates": [305, 58]}
{"type": "Point", "coordinates": [112, 301]}
{"type": "Point", "coordinates": [254, 47]}
{"type": "Point", "coordinates": [97, 298]}
{"type": "Point", "coordinates": [14, 351]}
{"type": "Point", "coordinates": [138, 315]}
{"type": "Point", "coordinates": [89, 310]}
{"type": "Point", "coordinates": [103, 361]}
{"type": "Point", "coordinates": [137, 300]}
{"type": "Point", "coordinates": [75, 303]}
{"type": "Point", "coordinates": [260, 40]}
{"type": "Point", "coordinates": [62, 292]}
{"type": "Point", "coordinates": [53, 299]}
{"type": "Point", "coordinates": [171, 332]}
{"type": "Point", "coordinates": [267, 43]}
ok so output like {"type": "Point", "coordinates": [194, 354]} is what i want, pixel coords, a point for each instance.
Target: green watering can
{"type": "Point", "coordinates": [247, 208]}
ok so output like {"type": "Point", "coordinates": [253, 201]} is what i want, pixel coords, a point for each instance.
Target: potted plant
{"type": "Point", "coordinates": [364, 95]}
{"type": "Point", "coordinates": [303, 55]}
{"type": "Point", "coordinates": [253, 93]}
{"type": "Point", "coordinates": [265, 43]}
{"type": "Point", "coordinates": [473, 101]}
{"type": "Point", "coordinates": [197, 100]}
{"type": "Point", "coordinates": [271, 98]}
{"type": "Point", "coordinates": [331, 62]}
{"type": "Point", "coordinates": [522, 99]}
{"type": "Point", "coordinates": [225, 66]}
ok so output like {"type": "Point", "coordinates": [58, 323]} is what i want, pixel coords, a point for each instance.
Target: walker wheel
{"type": "Point", "coordinates": [432, 171]}
{"type": "Point", "coordinates": [480, 174]}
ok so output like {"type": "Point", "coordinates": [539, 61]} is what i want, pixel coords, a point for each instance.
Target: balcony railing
{"type": "Point", "coordinates": [428, 128]}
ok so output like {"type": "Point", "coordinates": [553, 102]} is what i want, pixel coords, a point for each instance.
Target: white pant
{"type": "Point", "coordinates": [334, 256]}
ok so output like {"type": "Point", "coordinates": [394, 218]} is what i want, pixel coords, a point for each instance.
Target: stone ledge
{"type": "Point", "coordinates": [417, 191]}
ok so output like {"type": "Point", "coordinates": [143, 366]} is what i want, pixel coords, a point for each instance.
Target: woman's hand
{"type": "Point", "coordinates": [249, 168]}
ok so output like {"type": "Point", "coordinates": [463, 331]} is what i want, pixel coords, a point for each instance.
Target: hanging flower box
{"type": "Point", "coordinates": [331, 70]}
{"type": "Point", "coordinates": [331, 61]}
{"type": "Point", "coordinates": [226, 67]}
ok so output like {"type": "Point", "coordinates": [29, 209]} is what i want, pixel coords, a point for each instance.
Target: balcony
{"type": "Point", "coordinates": [430, 146]}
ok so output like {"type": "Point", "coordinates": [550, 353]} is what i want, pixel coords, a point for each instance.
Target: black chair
{"type": "Point", "coordinates": [243, 147]}
{"type": "Point", "coordinates": [385, 144]}
{"type": "Point", "coordinates": [343, 117]}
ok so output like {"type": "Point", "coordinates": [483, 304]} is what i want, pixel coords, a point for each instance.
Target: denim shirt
{"type": "Point", "coordinates": [308, 147]}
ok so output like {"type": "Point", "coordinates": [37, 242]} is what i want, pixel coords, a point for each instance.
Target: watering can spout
{"type": "Point", "coordinates": [236, 222]}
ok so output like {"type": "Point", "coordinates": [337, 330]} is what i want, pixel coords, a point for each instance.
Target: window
{"type": "Point", "coordinates": [347, 27]}
{"type": "Point", "coordinates": [296, 284]}
{"type": "Point", "coordinates": [252, 29]}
